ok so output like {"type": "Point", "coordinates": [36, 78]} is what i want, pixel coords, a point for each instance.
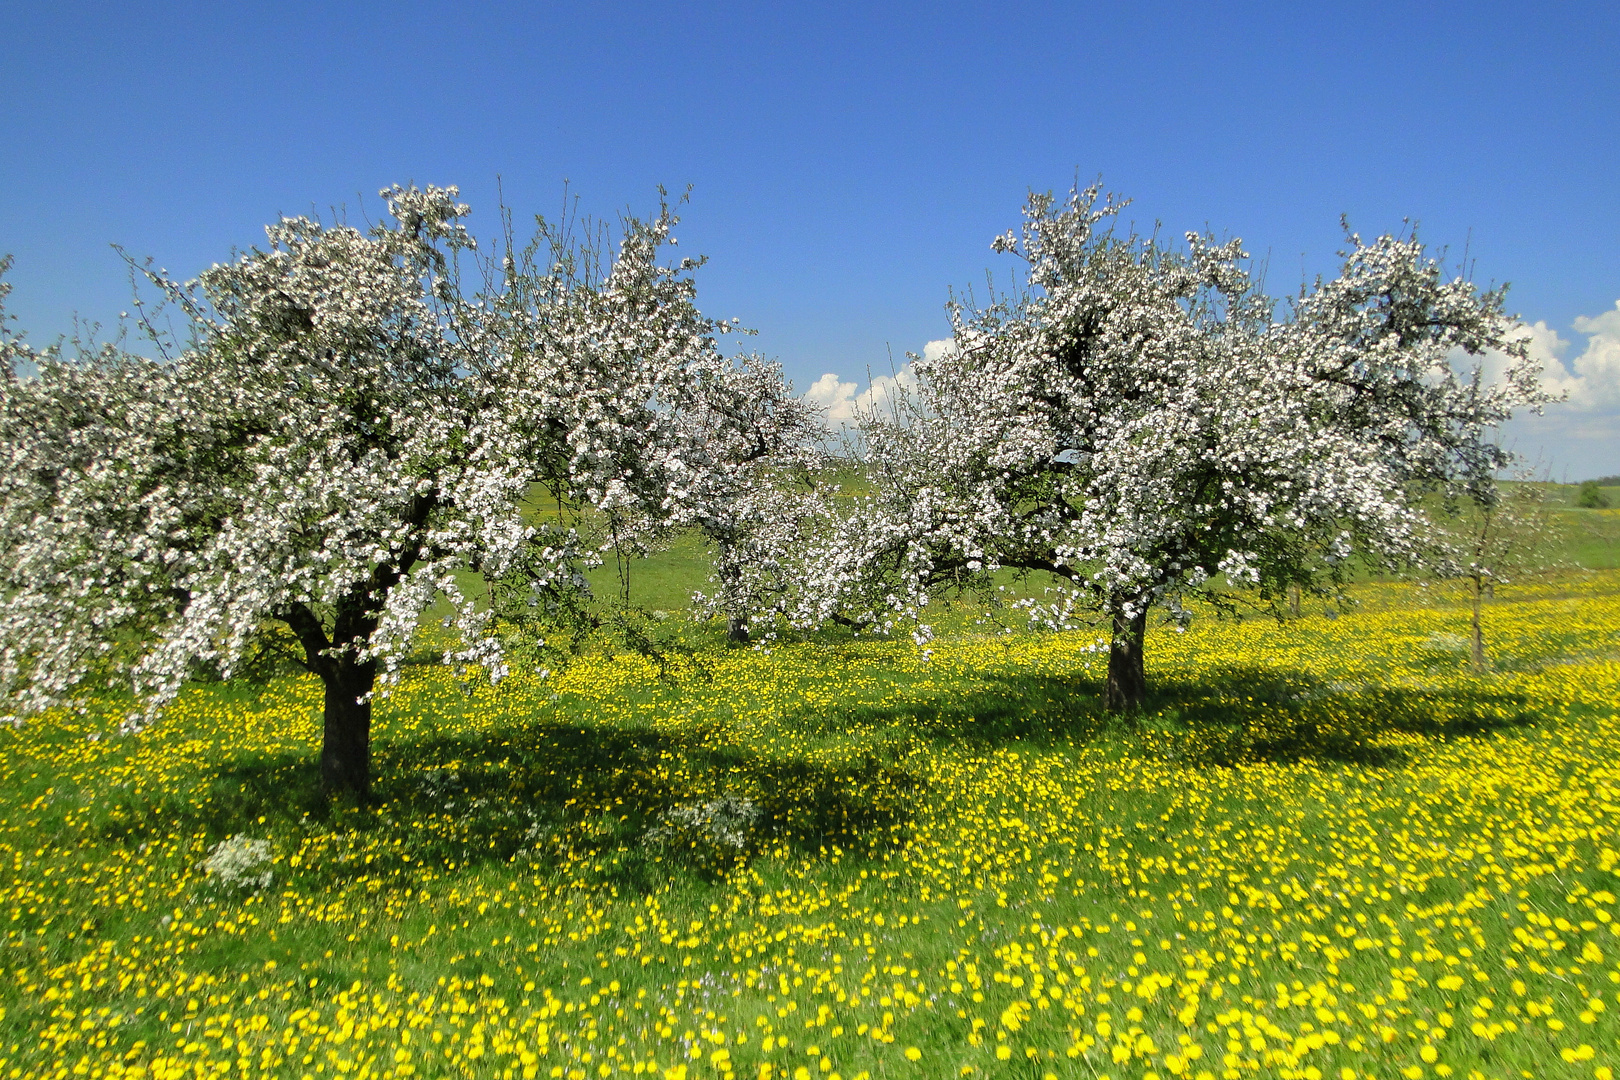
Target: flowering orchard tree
{"type": "Point", "coordinates": [1138, 423]}
{"type": "Point", "coordinates": [345, 432]}
{"type": "Point", "coordinates": [635, 421]}
{"type": "Point", "coordinates": [768, 446]}
{"type": "Point", "coordinates": [1492, 536]}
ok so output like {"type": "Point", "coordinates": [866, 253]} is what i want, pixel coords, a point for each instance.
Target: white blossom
{"type": "Point", "coordinates": [727, 823]}
{"type": "Point", "coordinates": [240, 863]}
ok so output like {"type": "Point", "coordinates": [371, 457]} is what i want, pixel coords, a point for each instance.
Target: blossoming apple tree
{"type": "Point", "coordinates": [1140, 424]}
{"type": "Point", "coordinates": [768, 446]}
{"type": "Point", "coordinates": [344, 435]}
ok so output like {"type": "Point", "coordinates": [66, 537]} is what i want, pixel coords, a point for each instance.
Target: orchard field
{"type": "Point", "coordinates": [1327, 850]}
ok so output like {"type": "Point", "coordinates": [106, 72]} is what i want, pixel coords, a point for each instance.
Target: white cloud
{"type": "Point", "coordinates": [886, 389]}
{"type": "Point", "coordinates": [1592, 380]}
{"type": "Point", "coordinates": [844, 401]}
{"type": "Point", "coordinates": [1598, 368]}
{"type": "Point", "coordinates": [1579, 436]}
{"type": "Point", "coordinates": [835, 396]}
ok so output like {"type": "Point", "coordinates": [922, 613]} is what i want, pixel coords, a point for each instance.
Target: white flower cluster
{"type": "Point", "coordinates": [240, 863]}
{"type": "Point", "coordinates": [727, 823]}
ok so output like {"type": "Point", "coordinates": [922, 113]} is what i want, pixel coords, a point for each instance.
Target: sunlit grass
{"type": "Point", "coordinates": [1328, 850]}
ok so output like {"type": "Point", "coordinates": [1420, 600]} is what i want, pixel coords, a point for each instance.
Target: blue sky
{"type": "Point", "coordinates": [849, 163]}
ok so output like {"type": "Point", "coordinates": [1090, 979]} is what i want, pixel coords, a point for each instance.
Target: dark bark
{"type": "Point", "coordinates": [346, 739]}
{"type": "Point", "coordinates": [1126, 690]}
{"type": "Point", "coordinates": [730, 585]}
{"type": "Point", "coordinates": [346, 728]}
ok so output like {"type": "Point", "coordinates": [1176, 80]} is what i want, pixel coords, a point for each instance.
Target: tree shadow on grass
{"type": "Point", "coordinates": [1036, 709]}
{"type": "Point", "coordinates": [1249, 715]}
{"type": "Point", "coordinates": [596, 801]}
{"type": "Point", "coordinates": [601, 802]}
{"type": "Point", "coordinates": [607, 797]}
{"type": "Point", "coordinates": [1238, 716]}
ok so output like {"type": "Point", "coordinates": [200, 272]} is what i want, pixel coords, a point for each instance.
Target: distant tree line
{"type": "Point", "coordinates": [1591, 497]}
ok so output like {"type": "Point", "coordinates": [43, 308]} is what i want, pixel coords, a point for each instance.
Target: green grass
{"type": "Point", "coordinates": [1593, 537]}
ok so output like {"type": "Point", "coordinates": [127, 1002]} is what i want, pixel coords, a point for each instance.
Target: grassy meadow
{"type": "Point", "coordinates": [1328, 850]}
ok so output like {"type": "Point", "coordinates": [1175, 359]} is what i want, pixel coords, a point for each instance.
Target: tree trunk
{"type": "Point", "coordinates": [1476, 640]}
{"type": "Point", "coordinates": [1293, 600]}
{"type": "Point", "coordinates": [729, 571]}
{"type": "Point", "coordinates": [346, 741]}
{"type": "Point", "coordinates": [1127, 678]}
